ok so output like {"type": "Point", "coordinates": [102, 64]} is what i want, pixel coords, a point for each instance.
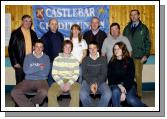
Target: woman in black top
{"type": "Point", "coordinates": [121, 74]}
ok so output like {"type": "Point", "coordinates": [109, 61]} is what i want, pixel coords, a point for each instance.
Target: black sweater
{"type": "Point", "coordinates": [94, 70]}
{"type": "Point", "coordinates": [99, 38]}
{"type": "Point", "coordinates": [121, 72]}
{"type": "Point", "coordinates": [52, 44]}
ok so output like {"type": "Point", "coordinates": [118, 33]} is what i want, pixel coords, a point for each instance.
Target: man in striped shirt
{"type": "Point", "coordinates": [65, 72]}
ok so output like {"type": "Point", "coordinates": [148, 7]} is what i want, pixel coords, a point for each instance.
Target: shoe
{"type": "Point", "coordinates": [36, 105]}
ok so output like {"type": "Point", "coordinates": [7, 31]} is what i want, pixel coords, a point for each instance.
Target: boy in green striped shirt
{"type": "Point", "coordinates": [65, 72]}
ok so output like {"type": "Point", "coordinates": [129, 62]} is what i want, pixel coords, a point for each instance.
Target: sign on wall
{"type": "Point", "coordinates": [7, 28]}
{"type": "Point", "coordinates": [67, 15]}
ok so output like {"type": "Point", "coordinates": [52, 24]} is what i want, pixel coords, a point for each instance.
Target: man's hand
{"type": "Point", "coordinates": [122, 88]}
{"type": "Point", "coordinates": [123, 92]}
{"type": "Point", "coordinates": [123, 97]}
{"type": "Point", "coordinates": [93, 88]}
{"type": "Point", "coordinates": [66, 87]}
{"type": "Point", "coordinates": [144, 58]}
{"type": "Point", "coordinates": [17, 66]}
{"type": "Point", "coordinates": [62, 86]}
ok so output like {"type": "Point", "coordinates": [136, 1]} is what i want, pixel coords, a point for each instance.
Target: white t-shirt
{"type": "Point", "coordinates": [78, 48]}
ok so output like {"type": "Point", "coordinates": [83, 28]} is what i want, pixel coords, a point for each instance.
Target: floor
{"type": "Point", "coordinates": [148, 98]}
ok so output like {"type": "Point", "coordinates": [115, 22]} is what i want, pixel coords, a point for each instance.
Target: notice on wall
{"type": "Point", "coordinates": [7, 28]}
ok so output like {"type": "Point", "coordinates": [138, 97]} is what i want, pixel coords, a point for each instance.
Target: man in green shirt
{"type": "Point", "coordinates": [138, 35]}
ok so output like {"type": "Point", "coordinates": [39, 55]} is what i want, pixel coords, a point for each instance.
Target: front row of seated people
{"type": "Point", "coordinates": [65, 71]}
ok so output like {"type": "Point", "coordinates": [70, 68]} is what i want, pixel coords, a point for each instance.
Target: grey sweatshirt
{"type": "Point", "coordinates": [94, 70]}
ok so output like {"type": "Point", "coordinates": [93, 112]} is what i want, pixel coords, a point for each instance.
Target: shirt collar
{"type": "Point", "coordinates": [95, 31]}
{"type": "Point", "coordinates": [36, 55]}
{"type": "Point", "coordinates": [97, 56]}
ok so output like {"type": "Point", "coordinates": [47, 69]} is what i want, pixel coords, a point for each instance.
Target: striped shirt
{"type": "Point", "coordinates": [65, 68]}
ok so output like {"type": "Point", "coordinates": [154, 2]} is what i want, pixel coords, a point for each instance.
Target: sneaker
{"type": "Point", "coordinates": [36, 105]}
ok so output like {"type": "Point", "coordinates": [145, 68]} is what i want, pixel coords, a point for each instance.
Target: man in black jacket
{"type": "Point", "coordinates": [53, 41]}
{"type": "Point", "coordinates": [95, 34]}
{"type": "Point", "coordinates": [20, 45]}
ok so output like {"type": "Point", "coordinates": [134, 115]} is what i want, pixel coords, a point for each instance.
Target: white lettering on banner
{"type": "Point", "coordinates": [67, 25]}
{"type": "Point", "coordinates": [42, 25]}
{"type": "Point", "coordinates": [66, 12]}
{"type": "Point", "coordinates": [48, 12]}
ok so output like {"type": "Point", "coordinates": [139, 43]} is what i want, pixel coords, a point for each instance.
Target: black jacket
{"type": "Point", "coordinates": [52, 44]}
{"type": "Point", "coordinates": [99, 38]}
{"type": "Point", "coordinates": [16, 47]}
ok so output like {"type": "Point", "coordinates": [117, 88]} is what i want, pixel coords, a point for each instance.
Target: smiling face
{"type": "Point", "coordinates": [67, 49]}
{"type": "Point", "coordinates": [117, 51]}
{"type": "Point", "coordinates": [38, 48]}
{"type": "Point", "coordinates": [134, 16]}
{"type": "Point", "coordinates": [53, 25]}
{"type": "Point", "coordinates": [93, 49]}
{"type": "Point", "coordinates": [95, 23]}
{"type": "Point", "coordinates": [75, 31]}
{"type": "Point", "coordinates": [115, 31]}
{"type": "Point", "coordinates": [26, 23]}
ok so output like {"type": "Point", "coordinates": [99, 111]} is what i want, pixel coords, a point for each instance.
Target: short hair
{"type": "Point", "coordinates": [115, 24]}
{"type": "Point", "coordinates": [65, 42]}
{"type": "Point", "coordinates": [97, 19]}
{"type": "Point", "coordinates": [52, 19]}
{"type": "Point", "coordinates": [25, 16]}
{"type": "Point", "coordinates": [136, 11]}
{"type": "Point", "coordinates": [94, 17]}
{"type": "Point", "coordinates": [38, 41]}
{"type": "Point", "coordinates": [93, 42]}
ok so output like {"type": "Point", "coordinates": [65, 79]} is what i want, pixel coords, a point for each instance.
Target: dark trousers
{"type": "Point", "coordinates": [19, 74]}
{"type": "Point", "coordinates": [19, 91]}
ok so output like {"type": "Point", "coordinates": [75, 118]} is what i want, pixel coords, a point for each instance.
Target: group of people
{"type": "Point", "coordinates": [92, 63]}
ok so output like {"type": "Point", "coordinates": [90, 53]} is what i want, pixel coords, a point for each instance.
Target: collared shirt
{"type": "Point", "coordinates": [97, 56]}
{"type": "Point", "coordinates": [95, 31]}
{"type": "Point", "coordinates": [38, 56]}
{"type": "Point", "coordinates": [134, 24]}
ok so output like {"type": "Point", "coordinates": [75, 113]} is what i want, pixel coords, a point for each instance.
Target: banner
{"type": "Point", "coordinates": [67, 15]}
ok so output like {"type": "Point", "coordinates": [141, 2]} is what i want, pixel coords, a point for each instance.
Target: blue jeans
{"type": "Point", "coordinates": [131, 97]}
{"type": "Point", "coordinates": [86, 99]}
